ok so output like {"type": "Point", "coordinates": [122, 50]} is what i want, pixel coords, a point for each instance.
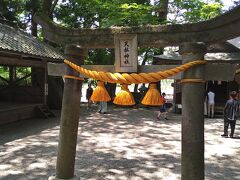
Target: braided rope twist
{"type": "Point", "coordinates": [133, 77]}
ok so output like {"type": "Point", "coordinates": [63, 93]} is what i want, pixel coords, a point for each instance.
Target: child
{"type": "Point", "coordinates": [163, 111]}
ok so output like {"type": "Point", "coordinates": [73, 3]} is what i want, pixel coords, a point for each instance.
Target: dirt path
{"type": "Point", "coordinates": [125, 144]}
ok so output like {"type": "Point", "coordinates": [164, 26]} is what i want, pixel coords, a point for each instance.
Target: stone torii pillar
{"type": "Point", "coordinates": [69, 117]}
{"type": "Point", "coordinates": [193, 113]}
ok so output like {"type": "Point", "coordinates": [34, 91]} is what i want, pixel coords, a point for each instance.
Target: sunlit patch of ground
{"type": "Point", "coordinates": [125, 144]}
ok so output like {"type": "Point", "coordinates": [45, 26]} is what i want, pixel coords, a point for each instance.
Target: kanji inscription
{"type": "Point", "coordinates": [126, 53]}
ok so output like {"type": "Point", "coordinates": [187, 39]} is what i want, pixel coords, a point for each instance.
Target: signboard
{"type": "Point", "coordinates": [125, 53]}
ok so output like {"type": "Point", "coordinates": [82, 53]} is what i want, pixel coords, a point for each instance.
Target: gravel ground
{"type": "Point", "coordinates": [126, 144]}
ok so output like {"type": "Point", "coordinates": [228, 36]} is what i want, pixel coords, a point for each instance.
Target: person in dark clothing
{"type": "Point", "coordinates": [88, 95]}
{"type": "Point", "coordinates": [142, 91]}
{"type": "Point", "coordinates": [231, 112]}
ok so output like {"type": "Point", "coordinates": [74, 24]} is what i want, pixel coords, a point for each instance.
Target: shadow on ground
{"type": "Point", "coordinates": [125, 144]}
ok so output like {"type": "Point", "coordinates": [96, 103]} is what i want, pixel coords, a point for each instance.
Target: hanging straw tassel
{"type": "Point", "coordinates": [124, 97]}
{"type": "Point", "coordinates": [100, 93]}
{"type": "Point", "coordinates": [152, 97]}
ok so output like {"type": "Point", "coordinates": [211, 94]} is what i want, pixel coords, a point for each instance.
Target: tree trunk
{"type": "Point", "coordinates": [33, 26]}
{"type": "Point", "coordinates": [162, 9]}
{"type": "Point", "coordinates": [47, 7]}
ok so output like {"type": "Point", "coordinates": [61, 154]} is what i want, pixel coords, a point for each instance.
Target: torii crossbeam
{"type": "Point", "coordinates": [221, 28]}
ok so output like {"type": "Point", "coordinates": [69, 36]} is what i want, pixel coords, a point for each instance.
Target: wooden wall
{"type": "Point", "coordinates": [31, 93]}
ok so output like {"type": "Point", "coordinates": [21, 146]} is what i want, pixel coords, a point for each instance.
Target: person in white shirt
{"type": "Point", "coordinates": [205, 104]}
{"type": "Point", "coordinates": [211, 96]}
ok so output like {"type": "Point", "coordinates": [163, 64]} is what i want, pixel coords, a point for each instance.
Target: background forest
{"type": "Point", "coordinates": [107, 13]}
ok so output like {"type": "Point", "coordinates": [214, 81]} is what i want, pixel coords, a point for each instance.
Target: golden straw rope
{"type": "Point", "coordinates": [73, 77]}
{"type": "Point", "coordinates": [133, 77]}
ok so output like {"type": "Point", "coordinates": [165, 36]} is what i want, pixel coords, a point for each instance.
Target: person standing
{"type": "Point", "coordinates": [102, 107]}
{"type": "Point", "coordinates": [205, 104]}
{"type": "Point", "coordinates": [88, 95]}
{"type": "Point", "coordinates": [231, 112]}
{"type": "Point", "coordinates": [211, 102]}
{"type": "Point", "coordinates": [142, 91]}
{"type": "Point", "coordinates": [162, 110]}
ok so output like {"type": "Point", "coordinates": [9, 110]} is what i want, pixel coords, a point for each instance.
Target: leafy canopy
{"type": "Point", "coordinates": [106, 13]}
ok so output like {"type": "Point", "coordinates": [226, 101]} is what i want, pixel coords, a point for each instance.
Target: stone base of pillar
{"type": "Point", "coordinates": [55, 178]}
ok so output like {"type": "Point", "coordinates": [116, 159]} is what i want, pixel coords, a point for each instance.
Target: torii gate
{"type": "Point", "coordinates": [191, 39]}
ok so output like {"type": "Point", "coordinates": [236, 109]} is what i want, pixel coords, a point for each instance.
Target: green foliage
{"type": "Point", "coordinates": [100, 57]}
{"type": "Point", "coordinates": [99, 13]}
{"type": "Point", "coordinates": [146, 54]}
{"type": "Point", "coordinates": [21, 12]}
{"type": "Point", "coordinates": [203, 12]}
{"type": "Point", "coordinates": [106, 13]}
{"type": "Point", "coordinates": [209, 11]}
{"type": "Point", "coordinates": [129, 14]}
{"type": "Point", "coordinates": [78, 13]}
{"type": "Point", "coordinates": [21, 72]}
{"type": "Point", "coordinates": [4, 73]}
{"type": "Point", "coordinates": [195, 10]}
{"type": "Point", "coordinates": [12, 10]}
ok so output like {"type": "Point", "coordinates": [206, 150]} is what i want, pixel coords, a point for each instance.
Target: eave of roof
{"type": "Point", "coordinates": [16, 40]}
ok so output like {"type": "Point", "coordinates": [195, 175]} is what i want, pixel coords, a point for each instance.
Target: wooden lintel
{"type": "Point", "coordinates": [104, 68]}
{"type": "Point", "coordinates": [220, 72]}
{"type": "Point", "coordinates": [12, 61]}
{"type": "Point", "coordinates": [59, 69]}
{"type": "Point", "coordinates": [56, 69]}
{"type": "Point", "coordinates": [156, 68]}
{"type": "Point", "coordinates": [211, 57]}
{"type": "Point", "coordinates": [24, 56]}
{"type": "Point", "coordinates": [217, 72]}
{"type": "Point", "coordinates": [223, 57]}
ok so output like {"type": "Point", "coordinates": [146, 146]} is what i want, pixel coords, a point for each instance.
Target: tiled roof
{"type": "Point", "coordinates": [16, 40]}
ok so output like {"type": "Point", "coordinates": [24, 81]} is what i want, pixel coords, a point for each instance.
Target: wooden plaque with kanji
{"type": "Point", "coordinates": [125, 53]}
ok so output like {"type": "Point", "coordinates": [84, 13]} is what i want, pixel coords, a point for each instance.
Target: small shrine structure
{"type": "Point", "coordinates": [24, 79]}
